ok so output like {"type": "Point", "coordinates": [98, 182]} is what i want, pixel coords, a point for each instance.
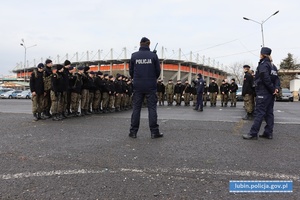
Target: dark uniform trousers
{"type": "Point", "coordinates": [138, 98]}
{"type": "Point", "coordinates": [199, 101]}
{"type": "Point", "coordinates": [263, 111]}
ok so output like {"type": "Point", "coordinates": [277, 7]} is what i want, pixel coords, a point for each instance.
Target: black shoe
{"type": "Point", "coordinates": [158, 135]}
{"type": "Point", "coordinates": [35, 117]}
{"type": "Point", "coordinates": [132, 135]}
{"type": "Point", "coordinates": [266, 136]}
{"type": "Point", "coordinates": [249, 137]}
{"type": "Point", "coordinates": [201, 110]}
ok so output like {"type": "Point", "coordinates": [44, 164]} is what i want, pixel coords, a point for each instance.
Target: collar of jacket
{"type": "Point", "coordinates": [264, 59]}
{"type": "Point", "coordinates": [144, 48]}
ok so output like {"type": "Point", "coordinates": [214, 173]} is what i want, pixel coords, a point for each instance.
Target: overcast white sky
{"type": "Point", "coordinates": [212, 28]}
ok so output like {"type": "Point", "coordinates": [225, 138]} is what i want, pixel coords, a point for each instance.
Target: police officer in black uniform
{"type": "Point", "coordinates": [200, 88]}
{"type": "Point", "coordinates": [145, 69]}
{"type": "Point", "coordinates": [267, 85]}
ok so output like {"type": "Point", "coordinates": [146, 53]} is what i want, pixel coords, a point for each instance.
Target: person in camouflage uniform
{"type": "Point", "coordinates": [105, 95]}
{"type": "Point", "coordinates": [187, 90]}
{"type": "Point", "coordinates": [232, 89]}
{"type": "Point", "coordinates": [37, 90]}
{"type": "Point", "coordinates": [85, 91]}
{"type": "Point", "coordinates": [213, 90]}
{"type": "Point", "coordinates": [111, 93]}
{"type": "Point", "coordinates": [66, 95]}
{"type": "Point", "coordinates": [47, 88]}
{"type": "Point", "coordinates": [170, 92]}
{"type": "Point", "coordinates": [161, 92]}
{"type": "Point", "coordinates": [224, 89]}
{"type": "Point", "coordinates": [92, 89]}
{"type": "Point", "coordinates": [57, 82]}
{"type": "Point", "coordinates": [118, 83]}
{"type": "Point", "coordinates": [76, 84]}
{"type": "Point", "coordinates": [98, 92]}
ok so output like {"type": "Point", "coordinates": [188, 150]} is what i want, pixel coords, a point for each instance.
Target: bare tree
{"type": "Point", "coordinates": [237, 72]}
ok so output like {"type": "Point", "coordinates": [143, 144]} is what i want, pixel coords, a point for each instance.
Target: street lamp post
{"type": "Point", "coordinates": [261, 25]}
{"type": "Point", "coordinates": [23, 44]}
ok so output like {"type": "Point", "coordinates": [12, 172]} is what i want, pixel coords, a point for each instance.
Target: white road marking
{"type": "Point", "coordinates": [162, 171]}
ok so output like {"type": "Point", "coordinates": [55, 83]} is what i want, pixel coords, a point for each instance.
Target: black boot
{"type": "Point", "coordinates": [55, 117]}
{"type": "Point", "coordinates": [204, 104]}
{"type": "Point", "coordinates": [234, 105]}
{"type": "Point", "coordinates": [40, 116]}
{"type": "Point", "coordinates": [35, 117]}
{"type": "Point", "coordinates": [221, 104]}
{"type": "Point", "coordinates": [248, 116]}
{"type": "Point", "coordinates": [231, 105]}
{"type": "Point", "coordinates": [225, 104]}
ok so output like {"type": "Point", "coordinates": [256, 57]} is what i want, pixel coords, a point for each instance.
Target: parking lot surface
{"type": "Point", "coordinates": [92, 157]}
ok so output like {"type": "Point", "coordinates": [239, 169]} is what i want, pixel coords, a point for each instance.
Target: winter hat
{"type": "Point", "coordinates": [48, 61]}
{"type": "Point", "coordinates": [265, 51]}
{"type": "Point", "coordinates": [67, 62]}
{"type": "Point", "coordinates": [41, 66]}
{"type": "Point", "coordinates": [59, 67]}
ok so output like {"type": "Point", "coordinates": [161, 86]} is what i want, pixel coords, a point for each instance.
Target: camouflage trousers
{"type": "Point", "coordinates": [213, 98]}
{"type": "Point", "coordinates": [233, 97]}
{"type": "Point", "coordinates": [160, 97]}
{"type": "Point", "coordinates": [178, 98]}
{"type": "Point", "coordinates": [97, 100]}
{"type": "Point", "coordinates": [194, 99]}
{"type": "Point", "coordinates": [224, 98]}
{"type": "Point", "coordinates": [105, 100]}
{"type": "Point", "coordinates": [129, 100]}
{"type": "Point", "coordinates": [85, 99]}
{"type": "Point", "coordinates": [47, 101]}
{"type": "Point", "coordinates": [118, 100]}
{"type": "Point", "coordinates": [91, 100]}
{"type": "Point", "coordinates": [123, 101]}
{"type": "Point", "coordinates": [187, 97]}
{"type": "Point", "coordinates": [111, 101]}
{"type": "Point", "coordinates": [66, 96]}
{"type": "Point", "coordinates": [75, 99]}
{"type": "Point", "coordinates": [37, 103]}
{"type": "Point", "coordinates": [56, 102]}
{"type": "Point", "coordinates": [170, 98]}
{"type": "Point", "coordinates": [249, 103]}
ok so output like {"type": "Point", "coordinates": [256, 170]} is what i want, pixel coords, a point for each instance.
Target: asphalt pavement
{"type": "Point", "coordinates": [92, 157]}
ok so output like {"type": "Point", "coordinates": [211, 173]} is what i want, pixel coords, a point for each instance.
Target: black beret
{"type": "Point", "coordinates": [199, 74]}
{"type": "Point", "coordinates": [110, 76]}
{"type": "Point", "coordinates": [144, 40]}
{"type": "Point", "coordinates": [71, 68]}
{"type": "Point", "coordinates": [80, 68]}
{"type": "Point", "coordinates": [86, 68]}
{"type": "Point", "coordinates": [67, 62]}
{"type": "Point", "coordinates": [99, 73]}
{"type": "Point", "coordinates": [265, 51]}
{"type": "Point", "coordinates": [40, 65]}
{"type": "Point", "coordinates": [59, 67]}
{"type": "Point", "coordinates": [105, 75]}
{"type": "Point", "coordinates": [48, 61]}
{"type": "Point", "coordinates": [92, 72]}
{"type": "Point", "coordinates": [246, 66]}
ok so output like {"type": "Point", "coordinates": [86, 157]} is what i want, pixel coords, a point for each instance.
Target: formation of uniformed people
{"type": "Point", "coordinates": [61, 91]}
